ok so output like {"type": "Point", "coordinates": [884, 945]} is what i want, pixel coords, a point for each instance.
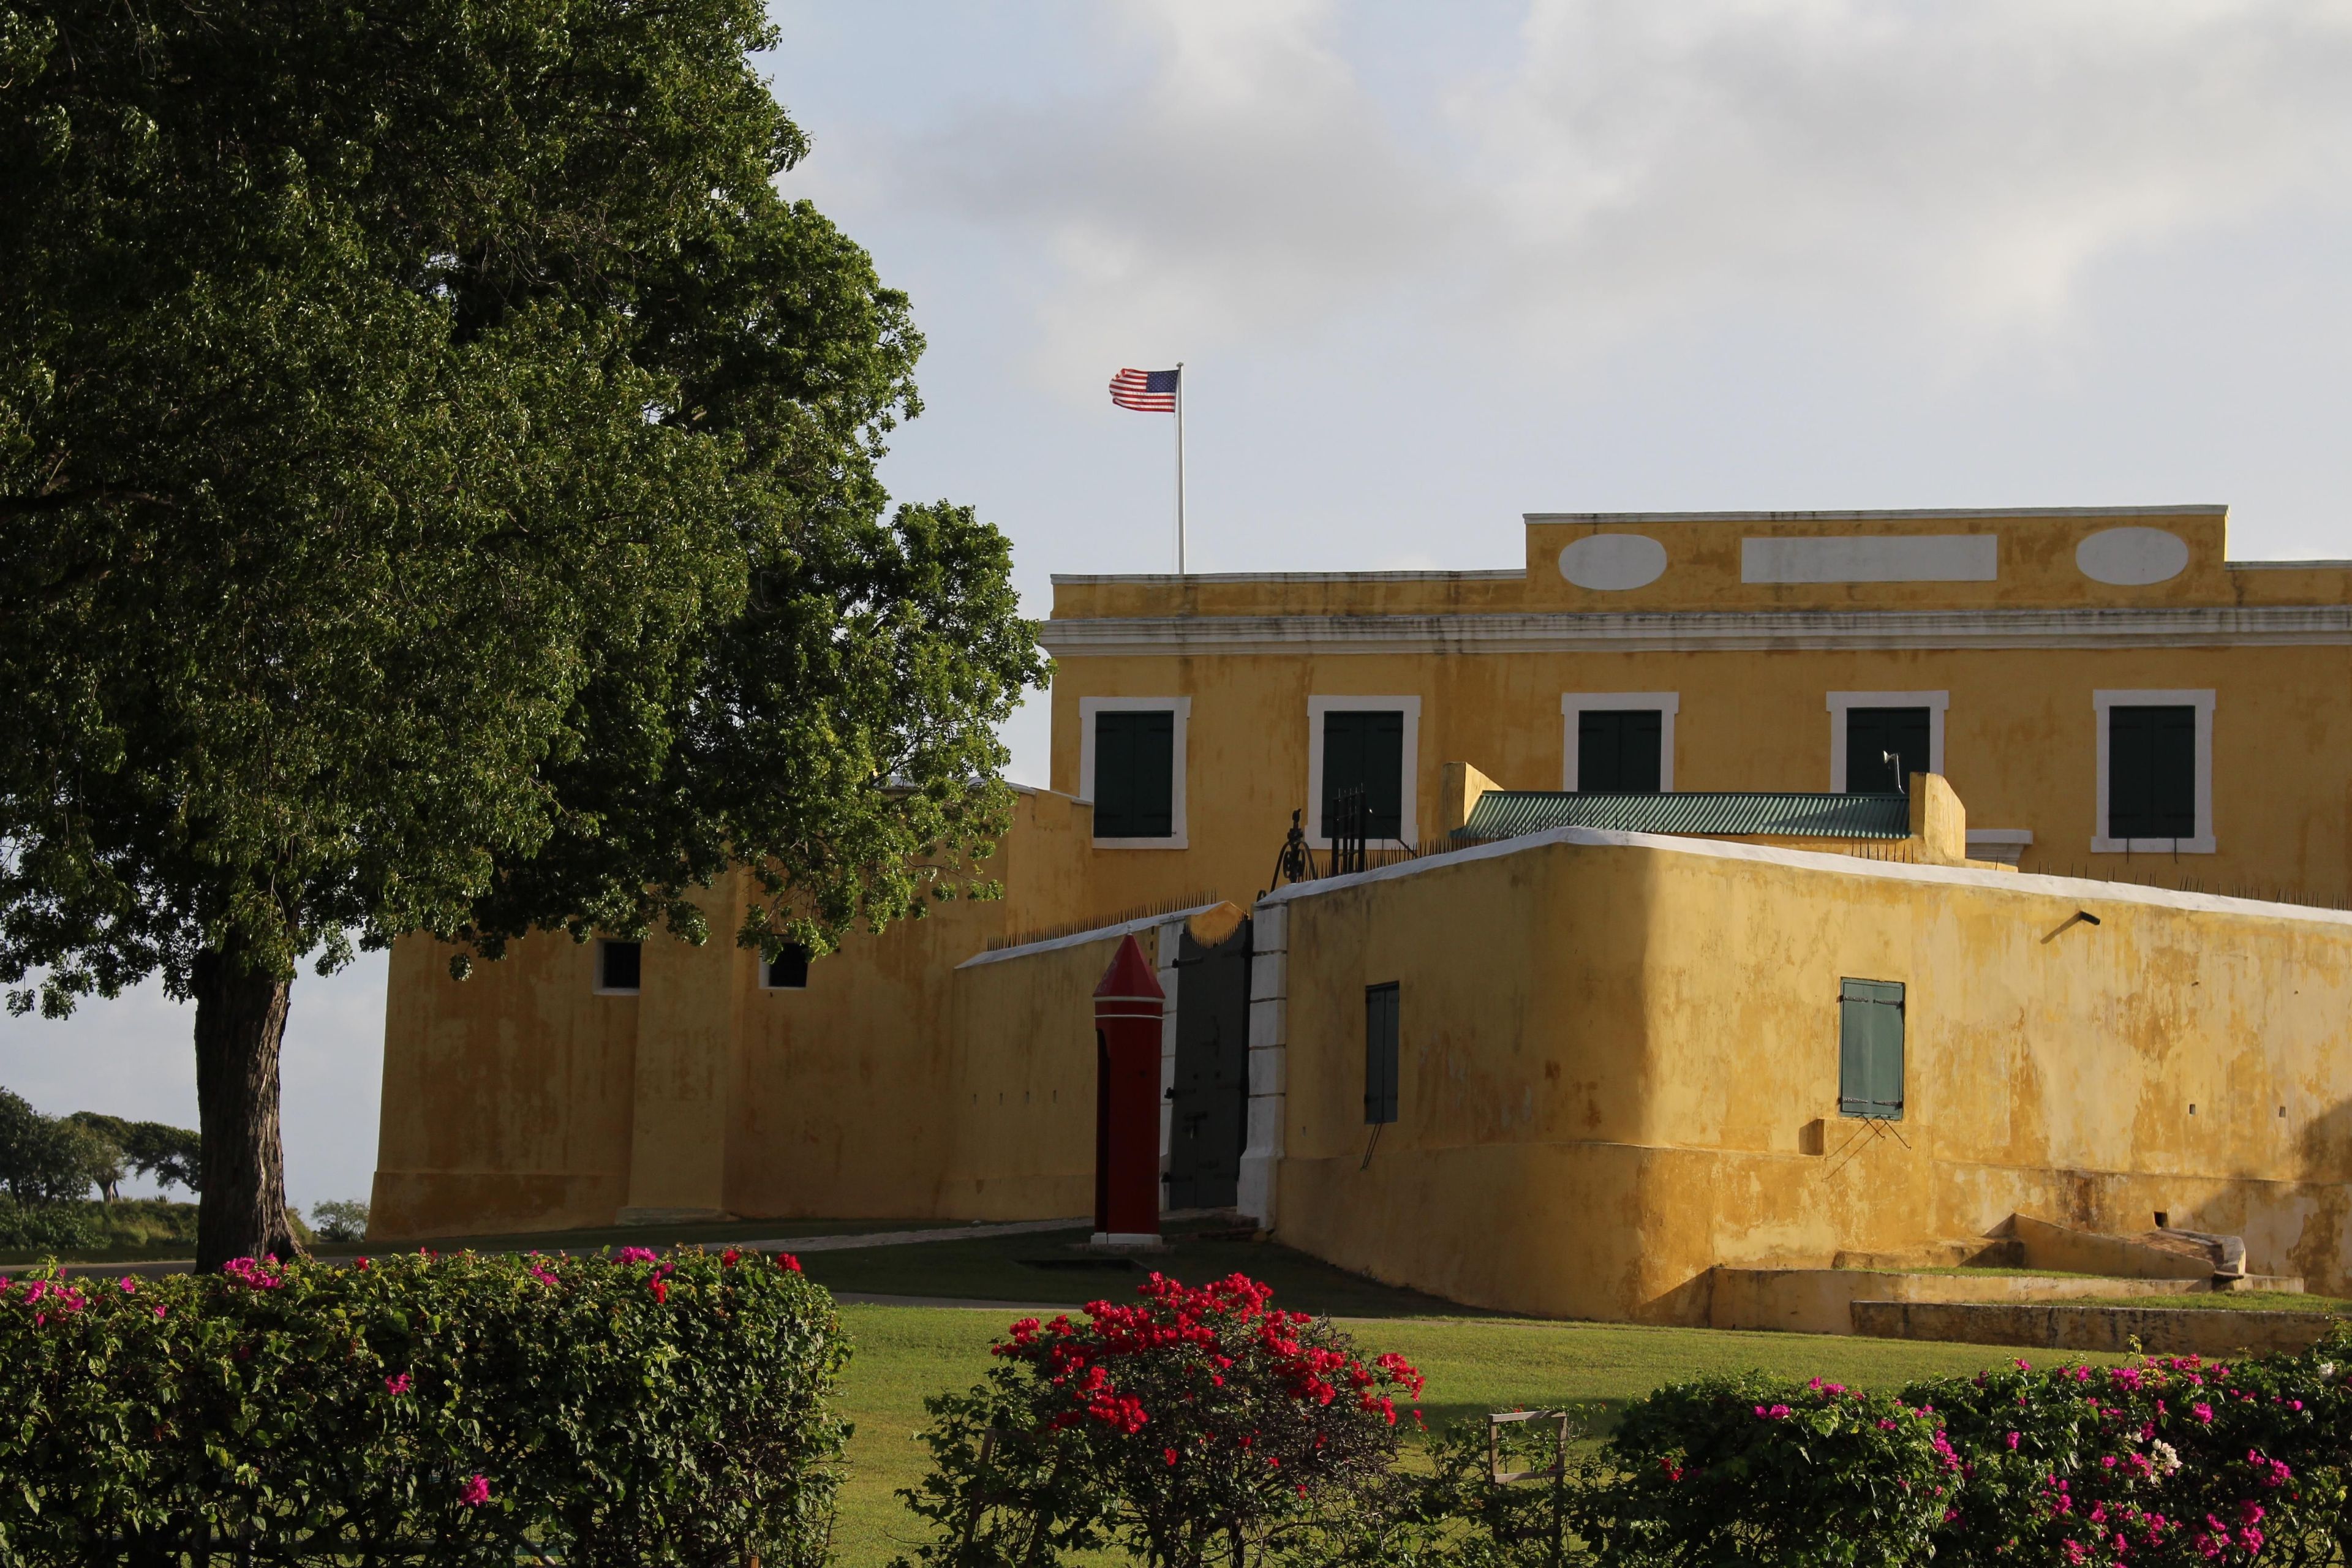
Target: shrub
{"type": "Point", "coordinates": [48, 1227]}
{"type": "Point", "coordinates": [437, 1410]}
{"type": "Point", "coordinates": [1195, 1424]}
{"type": "Point", "coordinates": [1755, 1469]}
{"type": "Point", "coordinates": [47, 1159]}
{"type": "Point", "coordinates": [340, 1219]}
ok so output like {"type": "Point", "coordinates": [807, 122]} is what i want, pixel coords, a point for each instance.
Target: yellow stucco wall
{"type": "Point", "coordinates": [521, 1098]}
{"type": "Point", "coordinates": [1613, 1052]}
{"type": "Point", "coordinates": [1490, 656]}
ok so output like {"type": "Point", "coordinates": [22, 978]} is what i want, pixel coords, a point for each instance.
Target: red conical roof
{"type": "Point", "coordinates": [1130, 974]}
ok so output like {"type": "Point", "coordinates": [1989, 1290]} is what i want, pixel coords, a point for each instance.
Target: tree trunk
{"type": "Point", "coordinates": [240, 1024]}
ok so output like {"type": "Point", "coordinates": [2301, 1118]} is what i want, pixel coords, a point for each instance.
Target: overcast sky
{"type": "Point", "coordinates": [1432, 267]}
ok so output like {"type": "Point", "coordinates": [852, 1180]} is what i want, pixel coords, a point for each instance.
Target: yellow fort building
{"type": "Point", "coordinates": [1710, 895]}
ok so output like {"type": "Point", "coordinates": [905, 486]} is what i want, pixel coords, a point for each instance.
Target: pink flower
{"type": "Point", "coordinates": [2013, 1441]}
{"type": "Point", "coordinates": [2202, 1412]}
{"type": "Point", "coordinates": [474, 1492]}
{"type": "Point", "coordinates": [161, 1309]}
{"type": "Point", "coordinates": [636, 1254]}
{"type": "Point", "coordinates": [397, 1384]}
{"type": "Point", "coordinates": [128, 1286]}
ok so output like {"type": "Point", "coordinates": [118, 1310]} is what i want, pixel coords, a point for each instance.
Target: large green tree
{"type": "Point", "coordinates": [437, 493]}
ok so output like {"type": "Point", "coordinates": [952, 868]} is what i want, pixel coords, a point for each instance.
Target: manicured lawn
{"type": "Point", "coordinates": [2225, 1302]}
{"type": "Point", "coordinates": [1472, 1366]}
{"type": "Point", "coordinates": [653, 1236]}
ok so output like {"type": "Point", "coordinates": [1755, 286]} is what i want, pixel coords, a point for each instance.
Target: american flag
{"type": "Point", "coordinates": [1150, 391]}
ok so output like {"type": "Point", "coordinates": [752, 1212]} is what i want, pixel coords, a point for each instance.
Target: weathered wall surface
{"type": "Point", "coordinates": [521, 1098]}
{"type": "Point", "coordinates": [1619, 1054]}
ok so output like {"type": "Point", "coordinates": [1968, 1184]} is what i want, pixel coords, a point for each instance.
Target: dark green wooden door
{"type": "Point", "coordinates": [1209, 1119]}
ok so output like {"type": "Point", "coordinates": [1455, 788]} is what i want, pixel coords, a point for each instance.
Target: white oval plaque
{"type": "Point", "coordinates": [2132, 557]}
{"type": "Point", "coordinates": [1610, 562]}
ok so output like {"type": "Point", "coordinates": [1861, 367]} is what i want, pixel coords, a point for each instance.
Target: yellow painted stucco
{"type": "Point", "coordinates": [1613, 1052]}
{"type": "Point", "coordinates": [1618, 1054]}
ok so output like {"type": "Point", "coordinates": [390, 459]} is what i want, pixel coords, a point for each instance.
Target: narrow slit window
{"type": "Point", "coordinates": [619, 964]}
{"type": "Point", "coordinates": [1870, 1049]}
{"type": "Point", "coordinates": [788, 970]}
{"type": "Point", "coordinates": [1381, 1054]}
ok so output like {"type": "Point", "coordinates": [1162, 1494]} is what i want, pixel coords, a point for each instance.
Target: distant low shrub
{"type": "Point", "coordinates": [340, 1219]}
{"type": "Point", "coordinates": [423, 1410]}
{"type": "Point", "coordinates": [1195, 1425]}
{"type": "Point", "coordinates": [49, 1227]}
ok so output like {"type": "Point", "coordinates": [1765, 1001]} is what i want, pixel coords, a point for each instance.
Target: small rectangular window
{"type": "Point", "coordinates": [1870, 1049]}
{"type": "Point", "coordinates": [618, 966]}
{"type": "Point", "coordinates": [1364, 749]}
{"type": "Point", "coordinates": [2152, 773]}
{"type": "Point", "coordinates": [1135, 774]}
{"type": "Point", "coordinates": [1619, 751]}
{"type": "Point", "coordinates": [1380, 1053]}
{"type": "Point", "coordinates": [788, 970]}
{"type": "Point", "coordinates": [1883, 747]}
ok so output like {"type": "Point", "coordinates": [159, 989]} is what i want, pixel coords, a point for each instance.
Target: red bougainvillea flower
{"type": "Point", "coordinates": [474, 1492]}
{"type": "Point", "coordinates": [397, 1384]}
{"type": "Point", "coordinates": [660, 1291]}
{"type": "Point", "coordinates": [730, 1258]}
{"type": "Point", "coordinates": [787, 1262]}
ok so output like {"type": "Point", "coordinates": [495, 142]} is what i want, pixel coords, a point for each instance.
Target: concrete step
{"type": "Point", "coordinates": [2160, 1331]}
{"type": "Point", "coordinates": [1820, 1300]}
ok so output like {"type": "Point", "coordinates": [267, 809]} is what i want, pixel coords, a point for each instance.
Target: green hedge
{"type": "Point", "coordinates": [420, 1409]}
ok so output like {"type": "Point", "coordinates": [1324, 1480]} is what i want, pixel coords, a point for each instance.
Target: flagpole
{"type": "Point", "coordinates": [1180, 468]}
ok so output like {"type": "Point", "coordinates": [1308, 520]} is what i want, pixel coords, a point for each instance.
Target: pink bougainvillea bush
{"type": "Point", "coordinates": [2168, 1462]}
{"type": "Point", "coordinates": [1195, 1424]}
{"type": "Point", "coordinates": [422, 1409]}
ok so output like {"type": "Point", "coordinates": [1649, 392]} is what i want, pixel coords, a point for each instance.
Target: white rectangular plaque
{"type": "Point", "coordinates": [1867, 558]}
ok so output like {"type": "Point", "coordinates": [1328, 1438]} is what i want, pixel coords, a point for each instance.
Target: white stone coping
{"type": "Point", "coordinates": [2080, 889]}
{"type": "Point", "coordinates": [1899, 514]}
{"type": "Point", "coordinates": [1140, 924]}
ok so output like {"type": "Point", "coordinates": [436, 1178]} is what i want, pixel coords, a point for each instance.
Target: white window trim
{"type": "Point", "coordinates": [2203, 843]}
{"type": "Point", "coordinates": [599, 987]}
{"type": "Point", "coordinates": [1409, 794]}
{"type": "Point", "coordinates": [1574, 704]}
{"type": "Point", "coordinates": [1180, 706]}
{"type": "Point", "coordinates": [1935, 702]}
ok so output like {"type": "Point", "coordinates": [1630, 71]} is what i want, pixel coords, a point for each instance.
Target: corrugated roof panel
{"type": "Point", "coordinates": [1510, 812]}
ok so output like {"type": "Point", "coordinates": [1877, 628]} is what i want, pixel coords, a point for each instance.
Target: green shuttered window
{"type": "Point", "coordinates": [2152, 773]}
{"type": "Point", "coordinates": [1135, 774]}
{"type": "Point", "coordinates": [1380, 1053]}
{"type": "Point", "coordinates": [1870, 1049]}
{"type": "Point", "coordinates": [1618, 750]}
{"type": "Point", "coordinates": [1365, 749]}
{"type": "Point", "coordinates": [1870, 733]}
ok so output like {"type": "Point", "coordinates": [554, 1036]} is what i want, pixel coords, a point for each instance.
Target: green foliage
{"type": "Point", "coordinates": [49, 1228]}
{"type": "Point", "coordinates": [456, 1410]}
{"type": "Point", "coordinates": [167, 1156]}
{"type": "Point", "coordinates": [1197, 1425]}
{"type": "Point", "coordinates": [437, 469]}
{"type": "Point", "coordinates": [437, 481]}
{"type": "Point", "coordinates": [47, 1159]}
{"type": "Point", "coordinates": [340, 1219]}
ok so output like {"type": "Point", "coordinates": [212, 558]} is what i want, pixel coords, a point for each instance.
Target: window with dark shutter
{"type": "Point", "coordinates": [1870, 1049]}
{"type": "Point", "coordinates": [1871, 736]}
{"type": "Point", "coordinates": [788, 970]}
{"type": "Point", "coordinates": [618, 966]}
{"type": "Point", "coordinates": [1135, 774]}
{"type": "Point", "coordinates": [1619, 750]}
{"type": "Point", "coordinates": [1365, 750]}
{"type": "Point", "coordinates": [1381, 1054]}
{"type": "Point", "coordinates": [2152, 773]}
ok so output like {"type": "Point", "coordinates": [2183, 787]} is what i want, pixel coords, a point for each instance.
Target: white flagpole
{"type": "Point", "coordinates": [1180, 468]}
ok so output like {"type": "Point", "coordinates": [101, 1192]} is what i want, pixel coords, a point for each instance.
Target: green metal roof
{"type": "Point", "coordinates": [1509, 813]}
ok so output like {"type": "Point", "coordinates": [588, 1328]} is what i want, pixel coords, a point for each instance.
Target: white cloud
{"type": "Point", "coordinates": [1632, 164]}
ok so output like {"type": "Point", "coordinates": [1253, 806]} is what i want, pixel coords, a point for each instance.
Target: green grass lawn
{"type": "Point", "coordinates": [716, 1232]}
{"type": "Point", "coordinates": [1473, 1365]}
{"type": "Point", "coordinates": [2223, 1301]}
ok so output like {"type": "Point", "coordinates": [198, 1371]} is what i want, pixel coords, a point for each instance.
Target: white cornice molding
{"type": "Point", "coordinates": [1899, 514]}
{"type": "Point", "coordinates": [1143, 635]}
